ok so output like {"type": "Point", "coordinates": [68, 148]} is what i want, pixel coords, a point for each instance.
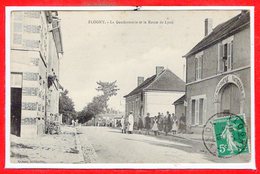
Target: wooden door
{"type": "Point", "coordinates": [230, 99]}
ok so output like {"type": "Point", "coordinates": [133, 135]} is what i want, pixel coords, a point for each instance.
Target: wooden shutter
{"type": "Point", "coordinates": [197, 111]}
{"type": "Point", "coordinates": [201, 110]}
{"type": "Point", "coordinates": [196, 60]}
{"type": "Point", "coordinates": [193, 111]}
{"type": "Point", "coordinates": [201, 66]}
{"type": "Point", "coordinates": [228, 56]}
{"type": "Point", "coordinates": [220, 57]}
{"type": "Point", "coordinates": [231, 55]}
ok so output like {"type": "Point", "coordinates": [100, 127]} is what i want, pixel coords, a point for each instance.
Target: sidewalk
{"type": "Point", "coordinates": [62, 148]}
{"type": "Point", "coordinates": [196, 142]}
{"type": "Point", "coordinates": [185, 136]}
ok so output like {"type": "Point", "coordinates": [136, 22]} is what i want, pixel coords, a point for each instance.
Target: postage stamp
{"type": "Point", "coordinates": [225, 135]}
{"type": "Point", "coordinates": [230, 134]}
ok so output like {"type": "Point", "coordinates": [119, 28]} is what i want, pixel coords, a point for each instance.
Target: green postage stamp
{"type": "Point", "coordinates": [230, 135]}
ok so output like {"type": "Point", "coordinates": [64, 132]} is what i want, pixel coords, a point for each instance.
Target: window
{"type": "Point", "coordinates": [198, 66]}
{"type": "Point", "coordinates": [193, 112]}
{"type": "Point", "coordinates": [201, 109]}
{"type": "Point", "coordinates": [225, 58]}
{"type": "Point", "coordinates": [197, 110]}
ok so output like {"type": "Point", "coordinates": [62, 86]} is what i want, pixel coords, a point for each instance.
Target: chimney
{"type": "Point", "coordinates": [159, 69]}
{"type": "Point", "coordinates": [208, 26]}
{"type": "Point", "coordinates": [140, 80]}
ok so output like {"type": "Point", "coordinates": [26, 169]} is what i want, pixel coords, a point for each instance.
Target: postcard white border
{"type": "Point", "coordinates": [8, 164]}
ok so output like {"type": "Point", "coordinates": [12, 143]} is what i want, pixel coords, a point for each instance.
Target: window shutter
{"type": "Point", "coordinates": [193, 111]}
{"type": "Point", "coordinates": [228, 56]}
{"type": "Point", "coordinates": [231, 55]}
{"type": "Point", "coordinates": [196, 68]}
{"type": "Point", "coordinates": [220, 56]}
{"type": "Point", "coordinates": [201, 67]}
{"type": "Point", "coordinates": [196, 111]}
{"type": "Point", "coordinates": [221, 51]}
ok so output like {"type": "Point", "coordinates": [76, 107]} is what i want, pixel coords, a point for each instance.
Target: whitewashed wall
{"type": "Point", "coordinates": [161, 102]}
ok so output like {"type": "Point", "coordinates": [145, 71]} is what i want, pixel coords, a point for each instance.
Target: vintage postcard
{"type": "Point", "coordinates": [130, 87]}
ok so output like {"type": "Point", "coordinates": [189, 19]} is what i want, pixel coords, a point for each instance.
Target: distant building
{"type": "Point", "coordinates": [155, 94]}
{"type": "Point", "coordinates": [108, 119]}
{"type": "Point", "coordinates": [180, 106]}
{"type": "Point", "coordinates": [36, 49]}
{"type": "Point", "coordinates": [218, 72]}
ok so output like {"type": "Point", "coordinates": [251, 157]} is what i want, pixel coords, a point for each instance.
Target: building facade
{"type": "Point", "coordinates": [180, 107]}
{"type": "Point", "coordinates": [155, 94]}
{"type": "Point", "coordinates": [36, 49]}
{"type": "Point", "coordinates": [218, 72]}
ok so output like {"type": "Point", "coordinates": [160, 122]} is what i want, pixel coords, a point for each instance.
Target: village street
{"type": "Point", "coordinates": [111, 146]}
{"type": "Point", "coordinates": [89, 144]}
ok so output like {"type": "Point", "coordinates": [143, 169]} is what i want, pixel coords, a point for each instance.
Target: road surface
{"type": "Point", "coordinates": [111, 146]}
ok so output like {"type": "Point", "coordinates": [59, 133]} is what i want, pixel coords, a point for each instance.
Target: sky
{"type": "Point", "coordinates": [109, 51]}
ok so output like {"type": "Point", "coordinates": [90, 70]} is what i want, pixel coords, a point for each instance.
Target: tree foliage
{"type": "Point", "coordinates": [99, 103]}
{"type": "Point", "coordinates": [108, 88]}
{"type": "Point", "coordinates": [66, 107]}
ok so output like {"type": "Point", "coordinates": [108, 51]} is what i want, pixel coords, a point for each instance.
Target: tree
{"type": "Point", "coordinates": [108, 88]}
{"type": "Point", "coordinates": [66, 107]}
{"type": "Point", "coordinates": [99, 104]}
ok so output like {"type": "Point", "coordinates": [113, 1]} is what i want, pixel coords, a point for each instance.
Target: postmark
{"type": "Point", "coordinates": [224, 135]}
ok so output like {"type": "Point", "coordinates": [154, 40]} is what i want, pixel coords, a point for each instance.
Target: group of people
{"type": "Point", "coordinates": [74, 122]}
{"type": "Point", "coordinates": [127, 125]}
{"type": "Point", "coordinates": [158, 124]}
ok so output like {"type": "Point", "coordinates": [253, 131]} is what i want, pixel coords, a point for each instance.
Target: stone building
{"type": "Point", "coordinates": [36, 49]}
{"type": "Point", "coordinates": [155, 94]}
{"type": "Point", "coordinates": [179, 105]}
{"type": "Point", "coordinates": [218, 72]}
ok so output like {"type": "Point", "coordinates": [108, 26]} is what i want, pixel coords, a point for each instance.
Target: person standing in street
{"type": "Point", "coordinates": [140, 124]}
{"type": "Point", "coordinates": [160, 122]}
{"type": "Point", "coordinates": [182, 124]}
{"type": "Point", "coordinates": [155, 126]}
{"type": "Point", "coordinates": [167, 123]}
{"type": "Point", "coordinates": [123, 125]}
{"type": "Point", "coordinates": [147, 123]}
{"type": "Point", "coordinates": [174, 124]}
{"type": "Point", "coordinates": [130, 123]}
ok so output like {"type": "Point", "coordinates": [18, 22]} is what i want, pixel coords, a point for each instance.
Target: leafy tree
{"type": "Point", "coordinates": [66, 107]}
{"type": "Point", "coordinates": [108, 88]}
{"type": "Point", "coordinates": [99, 104]}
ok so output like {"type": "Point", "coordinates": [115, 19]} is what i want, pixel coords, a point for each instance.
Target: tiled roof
{"type": "Point", "coordinates": [143, 85]}
{"type": "Point", "coordinates": [222, 31]}
{"type": "Point", "coordinates": [166, 81]}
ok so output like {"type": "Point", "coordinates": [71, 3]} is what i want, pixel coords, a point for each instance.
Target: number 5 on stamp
{"type": "Point", "coordinates": [230, 135]}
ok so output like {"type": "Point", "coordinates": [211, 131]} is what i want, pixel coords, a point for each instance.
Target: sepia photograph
{"type": "Point", "coordinates": [130, 87]}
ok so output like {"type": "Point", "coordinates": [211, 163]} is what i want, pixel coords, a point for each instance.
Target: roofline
{"type": "Point", "coordinates": [151, 90]}
{"type": "Point", "coordinates": [154, 90]}
{"type": "Point", "coordinates": [157, 76]}
{"type": "Point", "coordinates": [242, 27]}
{"type": "Point", "coordinates": [179, 102]}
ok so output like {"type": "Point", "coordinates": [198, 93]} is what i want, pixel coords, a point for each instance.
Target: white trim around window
{"type": "Point", "coordinates": [198, 65]}
{"type": "Point", "coordinates": [225, 55]}
{"type": "Point", "coordinates": [198, 109]}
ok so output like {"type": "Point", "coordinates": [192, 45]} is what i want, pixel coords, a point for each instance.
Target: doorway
{"type": "Point", "coordinates": [16, 106]}
{"type": "Point", "coordinates": [230, 99]}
